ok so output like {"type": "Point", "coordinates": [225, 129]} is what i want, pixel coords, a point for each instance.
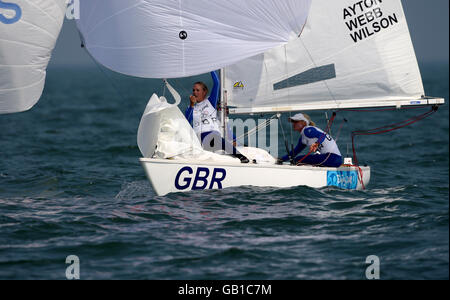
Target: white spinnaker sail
{"type": "Point", "coordinates": [180, 38]}
{"type": "Point", "coordinates": [149, 128]}
{"type": "Point", "coordinates": [350, 54]}
{"type": "Point", "coordinates": [28, 33]}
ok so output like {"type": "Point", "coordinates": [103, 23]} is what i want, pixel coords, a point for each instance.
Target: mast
{"type": "Point", "coordinates": [223, 104]}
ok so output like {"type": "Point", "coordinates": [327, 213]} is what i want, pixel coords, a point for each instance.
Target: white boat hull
{"type": "Point", "coordinates": [171, 176]}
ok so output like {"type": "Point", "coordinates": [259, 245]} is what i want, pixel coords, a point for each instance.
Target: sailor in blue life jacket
{"type": "Point", "coordinates": [203, 117]}
{"type": "Point", "coordinates": [316, 140]}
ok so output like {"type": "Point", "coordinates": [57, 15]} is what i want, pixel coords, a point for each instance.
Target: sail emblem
{"type": "Point", "coordinates": [238, 85]}
{"type": "Point", "coordinates": [183, 35]}
{"type": "Point", "coordinates": [10, 6]}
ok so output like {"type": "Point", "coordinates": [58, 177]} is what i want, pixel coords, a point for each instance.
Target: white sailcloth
{"type": "Point", "coordinates": [350, 53]}
{"type": "Point", "coordinates": [174, 38]}
{"type": "Point", "coordinates": [28, 34]}
{"type": "Point", "coordinates": [165, 133]}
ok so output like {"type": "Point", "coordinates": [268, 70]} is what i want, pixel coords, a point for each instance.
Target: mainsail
{"type": "Point", "coordinates": [350, 54]}
{"type": "Point", "coordinates": [180, 38]}
{"type": "Point", "coordinates": [28, 34]}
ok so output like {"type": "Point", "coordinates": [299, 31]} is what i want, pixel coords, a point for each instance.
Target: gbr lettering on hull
{"type": "Point", "coordinates": [202, 179]}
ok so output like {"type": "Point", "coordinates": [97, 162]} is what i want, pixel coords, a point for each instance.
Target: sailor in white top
{"type": "Point", "coordinates": [317, 140]}
{"type": "Point", "coordinates": [203, 117]}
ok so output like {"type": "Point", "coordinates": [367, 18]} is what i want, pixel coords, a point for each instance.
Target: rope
{"type": "Point", "coordinates": [315, 65]}
{"type": "Point", "coordinates": [164, 90]}
{"type": "Point", "coordinates": [289, 100]}
{"type": "Point", "coordinates": [389, 128]}
{"type": "Point", "coordinates": [259, 127]}
{"type": "Point", "coordinates": [286, 142]}
{"type": "Point", "coordinates": [385, 129]}
{"type": "Point", "coordinates": [181, 87]}
{"type": "Point", "coordinates": [360, 175]}
{"type": "Point", "coordinates": [340, 129]}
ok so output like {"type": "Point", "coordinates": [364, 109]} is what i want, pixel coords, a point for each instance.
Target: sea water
{"type": "Point", "coordinates": [71, 186]}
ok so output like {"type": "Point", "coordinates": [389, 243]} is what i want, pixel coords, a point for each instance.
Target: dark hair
{"type": "Point", "coordinates": [205, 87]}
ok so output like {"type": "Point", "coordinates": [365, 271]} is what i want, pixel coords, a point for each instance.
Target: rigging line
{"type": "Point", "coordinates": [328, 123]}
{"type": "Point", "coordinates": [110, 80]}
{"type": "Point", "coordinates": [254, 130]}
{"type": "Point", "coordinates": [282, 129]}
{"type": "Point", "coordinates": [326, 117]}
{"type": "Point", "coordinates": [340, 128]}
{"type": "Point", "coordinates": [399, 126]}
{"type": "Point", "coordinates": [285, 141]}
{"type": "Point", "coordinates": [391, 127]}
{"type": "Point", "coordinates": [289, 96]}
{"type": "Point", "coordinates": [164, 89]}
{"type": "Point", "coordinates": [180, 86]}
{"type": "Point", "coordinates": [315, 65]}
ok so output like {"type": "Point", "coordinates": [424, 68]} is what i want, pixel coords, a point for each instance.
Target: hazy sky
{"type": "Point", "coordinates": [428, 23]}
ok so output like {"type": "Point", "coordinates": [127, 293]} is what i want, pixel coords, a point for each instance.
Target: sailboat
{"type": "Point", "coordinates": [275, 57]}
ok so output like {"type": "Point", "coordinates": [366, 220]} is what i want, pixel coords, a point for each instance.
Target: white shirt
{"type": "Point", "coordinates": [311, 135]}
{"type": "Point", "coordinates": [205, 118]}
